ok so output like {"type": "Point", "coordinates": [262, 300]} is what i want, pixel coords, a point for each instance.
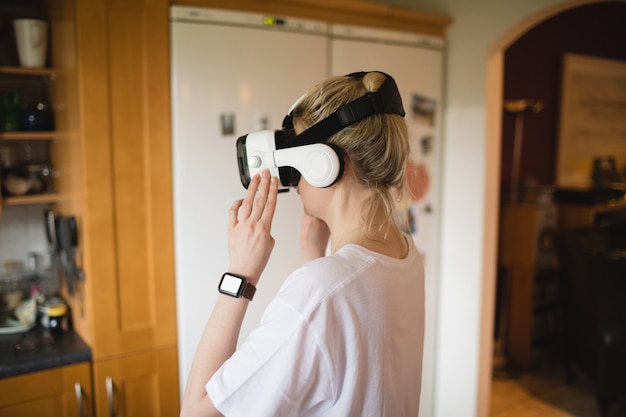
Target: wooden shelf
{"type": "Point", "coordinates": [48, 72]}
{"type": "Point", "coordinates": [31, 199]}
{"type": "Point", "coordinates": [33, 135]}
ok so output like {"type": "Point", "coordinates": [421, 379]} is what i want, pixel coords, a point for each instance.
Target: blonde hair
{"type": "Point", "coordinates": [377, 146]}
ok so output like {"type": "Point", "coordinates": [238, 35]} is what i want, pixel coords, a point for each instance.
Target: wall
{"type": "Point", "coordinates": [539, 78]}
{"type": "Point", "coordinates": [21, 232]}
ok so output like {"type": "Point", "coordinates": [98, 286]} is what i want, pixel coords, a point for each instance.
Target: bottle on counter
{"type": "Point", "coordinates": [54, 314]}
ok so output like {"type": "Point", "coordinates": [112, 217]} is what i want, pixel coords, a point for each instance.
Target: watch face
{"type": "Point", "coordinates": [231, 285]}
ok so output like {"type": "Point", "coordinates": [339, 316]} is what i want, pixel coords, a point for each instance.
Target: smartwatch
{"type": "Point", "coordinates": [236, 286]}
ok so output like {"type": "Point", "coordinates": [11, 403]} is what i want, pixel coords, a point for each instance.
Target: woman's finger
{"type": "Point", "coordinates": [260, 199]}
{"type": "Point", "coordinates": [270, 205]}
{"type": "Point", "coordinates": [246, 205]}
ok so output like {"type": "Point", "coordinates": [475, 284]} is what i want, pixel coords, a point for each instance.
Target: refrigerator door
{"type": "Point", "coordinates": [232, 73]}
{"type": "Point", "coordinates": [416, 63]}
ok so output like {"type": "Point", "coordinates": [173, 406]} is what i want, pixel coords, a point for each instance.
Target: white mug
{"type": "Point", "coordinates": [31, 36]}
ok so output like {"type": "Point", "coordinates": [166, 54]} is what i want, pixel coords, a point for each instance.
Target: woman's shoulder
{"type": "Point", "coordinates": [346, 262]}
{"type": "Point", "coordinates": [318, 279]}
{"type": "Point", "coordinates": [324, 271]}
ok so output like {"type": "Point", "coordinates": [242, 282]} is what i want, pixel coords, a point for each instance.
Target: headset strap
{"type": "Point", "coordinates": [386, 100]}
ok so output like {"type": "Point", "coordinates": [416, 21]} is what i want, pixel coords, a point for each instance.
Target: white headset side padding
{"type": "Point", "coordinates": [318, 163]}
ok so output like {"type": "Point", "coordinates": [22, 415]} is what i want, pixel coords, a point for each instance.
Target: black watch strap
{"type": "Point", "coordinates": [248, 291]}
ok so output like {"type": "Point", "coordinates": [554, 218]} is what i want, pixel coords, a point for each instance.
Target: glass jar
{"type": "Point", "coordinates": [11, 285]}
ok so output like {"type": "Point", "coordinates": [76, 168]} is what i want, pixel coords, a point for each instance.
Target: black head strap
{"type": "Point", "coordinates": [386, 100]}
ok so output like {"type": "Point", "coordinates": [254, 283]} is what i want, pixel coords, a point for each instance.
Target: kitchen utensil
{"type": "Point", "coordinates": [15, 184]}
{"type": "Point", "coordinates": [50, 224]}
{"type": "Point", "coordinates": [27, 179]}
{"type": "Point", "coordinates": [79, 273]}
{"type": "Point", "coordinates": [10, 325]}
{"type": "Point", "coordinates": [51, 234]}
{"type": "Point", "coordinates": [51, 286]}
{"type": "Point", "coordinates": [64, 249]}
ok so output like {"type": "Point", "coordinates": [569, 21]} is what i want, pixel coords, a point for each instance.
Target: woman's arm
{"type": "Point", "coordinates": [249, 246]}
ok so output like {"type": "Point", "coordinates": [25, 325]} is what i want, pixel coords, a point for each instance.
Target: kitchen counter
{"type": "Point", "coordinates": [40, 350]}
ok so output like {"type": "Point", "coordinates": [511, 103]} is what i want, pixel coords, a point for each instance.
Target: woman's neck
{"type": "Point", "coordinates": [344, 217]}
{"type": "Point", "coordinates": [390, 242]}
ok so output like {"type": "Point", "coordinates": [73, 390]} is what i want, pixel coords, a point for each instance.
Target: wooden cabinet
{"type": "Point", "coordinates": [143, 384]}
{"type": "Point", "coordinates": [65, 391]}
{"type": "Point", "coordinates": [527, 259]}
{"type": "Point", "coordinates": [123, 77]}
{"type": "Point", "coordinates": [112, 71]}
{"type": "Point", "coordinates": [119, 153]}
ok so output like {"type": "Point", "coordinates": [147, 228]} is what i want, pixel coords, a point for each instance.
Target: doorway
{"type": "Point", "coordinates": [539, 80]}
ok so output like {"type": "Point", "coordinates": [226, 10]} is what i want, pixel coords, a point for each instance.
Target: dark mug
{"type": "Point", "coordinates": [39, 117]}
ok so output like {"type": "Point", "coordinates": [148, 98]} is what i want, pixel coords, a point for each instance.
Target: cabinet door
{"type": "Point", "coordinates": [124, 79]}
{"type": "Point", "coordinates": [65, 391]}
{"type": "Point", "coordinates": [138, 385]}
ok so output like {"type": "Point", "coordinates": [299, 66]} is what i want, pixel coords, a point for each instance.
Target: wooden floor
{"type": "Point", "coordinates": [543, 393]}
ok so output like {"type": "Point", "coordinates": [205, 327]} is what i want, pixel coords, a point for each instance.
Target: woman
{"type": "Point", "coordinates": [344, 335]}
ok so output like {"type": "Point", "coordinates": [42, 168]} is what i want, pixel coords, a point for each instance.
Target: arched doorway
{"type": "Point", "coordinates": [494, 149]}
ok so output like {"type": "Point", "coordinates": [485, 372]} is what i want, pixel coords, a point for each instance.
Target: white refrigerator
{"type": "Point", "coordinates": [233, 73]}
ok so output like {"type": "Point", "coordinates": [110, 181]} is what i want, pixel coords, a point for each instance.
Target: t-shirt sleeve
{"type": "Point", "coordinates": [281, 369]}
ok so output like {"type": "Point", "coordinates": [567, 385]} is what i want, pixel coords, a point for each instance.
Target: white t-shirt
{"type": "Point", "coordinates": [343, 337]}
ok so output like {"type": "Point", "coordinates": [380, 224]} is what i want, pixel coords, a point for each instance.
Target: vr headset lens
{"type": "Point", "coordinates": [242, 162]}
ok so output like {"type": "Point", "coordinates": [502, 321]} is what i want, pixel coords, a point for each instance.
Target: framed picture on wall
{"type": "Point", "coordinates": [593, 117]}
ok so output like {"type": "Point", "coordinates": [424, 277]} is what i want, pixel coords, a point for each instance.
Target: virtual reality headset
{"type": "Point", "coordinates": [289, 156]}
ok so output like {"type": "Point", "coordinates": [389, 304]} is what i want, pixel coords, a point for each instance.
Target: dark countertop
{"type": "Point", "coordinates": [40, 351]}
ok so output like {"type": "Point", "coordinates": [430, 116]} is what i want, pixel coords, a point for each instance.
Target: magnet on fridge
{"type": "Point", "coordinates": [260, 121]}
{"type": "Point", "coordinates": [227, 122]}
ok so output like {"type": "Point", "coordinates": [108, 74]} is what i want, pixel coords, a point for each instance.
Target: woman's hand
{"type": "Point", "coordinates": [250, 242]}
{"type": "Point", "coordinates": [314, 235]}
